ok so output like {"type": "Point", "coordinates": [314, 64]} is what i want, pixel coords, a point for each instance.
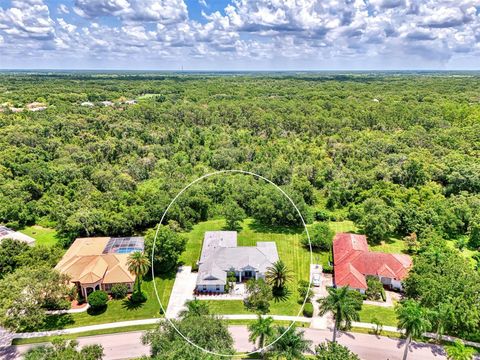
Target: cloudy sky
{"type": "Point", "coordinates": [240, 34]}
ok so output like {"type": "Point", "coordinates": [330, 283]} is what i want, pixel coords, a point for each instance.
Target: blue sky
{"type": "Point", "coordinates": [240, 34]}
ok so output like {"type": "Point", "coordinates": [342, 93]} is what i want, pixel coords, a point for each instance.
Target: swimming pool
{"type": "Point", "coordinates": [127, 250]}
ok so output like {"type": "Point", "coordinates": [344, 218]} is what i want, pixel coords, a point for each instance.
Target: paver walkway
{"type": "Point", "coordinates": [182, 291]}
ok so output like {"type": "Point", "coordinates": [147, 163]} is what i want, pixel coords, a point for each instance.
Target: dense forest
{"type": "Point", "coordinates": [396, 154]}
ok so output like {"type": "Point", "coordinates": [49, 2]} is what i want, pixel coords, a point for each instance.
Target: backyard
{"type": "Point", "coordinates": [42, 235]}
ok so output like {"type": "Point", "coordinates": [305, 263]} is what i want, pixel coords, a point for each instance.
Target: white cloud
{"type": "Point", "coordinates": [165, 11]}
{"type": "Point", "coordinates": [66, 26]}
{"type": "Point", "coordinates": [27, 19]}
{"type": "Point", "coordinates": [300, 31]}
{"type": "Point", "coordinates": [63, 9]}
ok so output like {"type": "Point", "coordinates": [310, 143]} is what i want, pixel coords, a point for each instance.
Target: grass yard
{"type": "Point", "coordinates": [343, 226]}
{"type": "Point", "coordinates": [391, 245]}
{"type": "Point", "coordinates": [45, 339]}
{"type": "Point", "coordinates": [42, 235]}
{"type": "Point", "coordinates": [118, 310]}
{"type": "Point", "coordinates": [386, 315]}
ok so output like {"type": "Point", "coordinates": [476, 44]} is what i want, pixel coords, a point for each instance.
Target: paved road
{"type": "Point", "coordinates": [368, 347]}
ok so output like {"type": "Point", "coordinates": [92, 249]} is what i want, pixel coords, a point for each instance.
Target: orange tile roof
{"type": "Point", "coordinates": [353, 261]}
{"type": "Point", "coordinates": [84, 262]}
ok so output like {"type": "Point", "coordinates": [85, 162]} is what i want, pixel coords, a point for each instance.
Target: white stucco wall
{"type": "Point", "coordinates": [211, 288]}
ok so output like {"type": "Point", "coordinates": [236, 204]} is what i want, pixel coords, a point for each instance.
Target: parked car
{"type": "Point", "coordinates": [316, 279]}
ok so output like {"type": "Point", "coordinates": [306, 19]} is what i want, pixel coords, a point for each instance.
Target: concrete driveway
{"type": "Point", "coordinates": [182, 291]}
{"type": "Point", "coordinates": [325, 321]}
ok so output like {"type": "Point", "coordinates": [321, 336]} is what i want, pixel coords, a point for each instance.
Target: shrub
{"type": "Point", "coordinates": [308, 310]}
{"type": "Point", "coordinates": [384, 296]}
{"type": "Point", "coordinates": [119, 291]}
{"type": "Point", "coordinates": [138, 297]}
{"type": "Point", "coordinates": [322, 215]}
{"type": "Point", "coordinates": [375, 287]}
{"type": "Point", "coordinates": [98, 299]}
{"type": "Point", "coordinates": [194, 266]}
{"type": "Point", "coordinates": [304, 291]}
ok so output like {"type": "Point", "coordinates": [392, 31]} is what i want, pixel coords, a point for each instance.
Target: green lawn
{"type": "Point", "coordinates": [391, 245]}
{"type": "Point", "coordinates": [386, 315]}
{"type": "Point", "coordinates": [343, 226]}
{"type": "Point", "coordinates": [118, 310]}
{"type": "Point", "coordinates": [42, 235]}
{"type": "Point", "coordinates": [44, 339]}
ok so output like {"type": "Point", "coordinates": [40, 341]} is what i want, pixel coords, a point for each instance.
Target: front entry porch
{"type": "Point", "coordinates": [245, 275]}
{"type": "Point", "coordinates": [87, 289]}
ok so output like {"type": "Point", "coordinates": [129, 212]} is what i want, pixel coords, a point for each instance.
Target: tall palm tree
{"type": "Point", "coordinates": [278, 275]}
{"type": "Point", "coordinates": [290, 346]}
{"type": "Point", "coordinates": [138, 264]}
{"type": "Point", "coordinates": [260, 330]}
{"type": "Point", "coordinates": [441, 316]}
{"type": "Point", "coordinates": [195, 308]}
{"type": "Point", "coordinates": [344, 304]}
{"type": "Point", "coordinates": [413, 319]}
{"type": "Point", "coordinates": [458, 351]}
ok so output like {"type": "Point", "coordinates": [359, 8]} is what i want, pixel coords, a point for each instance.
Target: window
{"type": "Point", "coordinates": [204, 287]}
{"type": "Point", "coordinates": [218, 288]}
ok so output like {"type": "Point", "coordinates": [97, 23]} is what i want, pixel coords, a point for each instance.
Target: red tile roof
{"type": "Point", "coordinates": [353, 261]}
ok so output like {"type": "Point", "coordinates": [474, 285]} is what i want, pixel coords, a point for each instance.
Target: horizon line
{"type": "Point", "coordinates": [242, 70]}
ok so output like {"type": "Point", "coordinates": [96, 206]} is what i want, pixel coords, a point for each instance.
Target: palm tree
{"type": "Point", "coordinates": [195, 308]}
{"type": "Point", "coordinates": [441, 316]}
{"type": "Point", "coordinates": [291, 345]}
{"type": "Point", "coordinates": [458, 351]}
{"type": "Point", "coordinates": [138, 264]}
{"type": "Point", "coordinates": [278, 275]}
{"type": "Point", "coordinates": [344, 304]}
{"type": "Point", "coordinates": [260, 329]}
{"type": "Point", "coordinates": [413, 319]}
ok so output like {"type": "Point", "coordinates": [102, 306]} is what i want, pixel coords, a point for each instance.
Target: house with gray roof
{"type": "Point", "coordinates": [221, 255]}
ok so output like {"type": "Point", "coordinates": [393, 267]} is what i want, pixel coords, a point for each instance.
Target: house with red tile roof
{"type": "Point", "coordinates": [353, 261]}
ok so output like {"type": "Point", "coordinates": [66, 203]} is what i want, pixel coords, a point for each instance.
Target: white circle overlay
{"type": "Point", "coordinates": [153, 253]}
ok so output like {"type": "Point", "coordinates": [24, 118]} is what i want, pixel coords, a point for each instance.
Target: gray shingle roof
{"type": "Point", "coordinates": [220, 254]}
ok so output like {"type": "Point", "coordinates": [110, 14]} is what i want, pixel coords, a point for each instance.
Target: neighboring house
{"type": "Point", "coordinates": [6, 233]}
{"type": "Point", "coordinates": [87, 103]}
{"type": "Point", "coordinates": [36, 106]}
{"type": "Point", "coordinates": [352, 262]}
{"type": "Point", "coordinates": [98, 263]}
{"type": "Point", "coordinates": [107, 103]}
{"type": "Point", "coordinates": [220, 255]}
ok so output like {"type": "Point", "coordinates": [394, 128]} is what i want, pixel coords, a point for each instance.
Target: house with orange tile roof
{"type": "Point", "coordinates": [353, 262]}
{"type": "Point", "coordinates": [100, 262]}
